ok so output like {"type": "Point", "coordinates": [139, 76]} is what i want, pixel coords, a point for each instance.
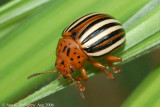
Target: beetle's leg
{"type": "Point", "coordinates": [81, 87]}
{"type": "Point", "coordinates": [77, 83]}
{"type": "Point", "coordinates": [69, 81]}
{"type": "Point", "coordinates": [67, 34]}
{"type": "Point", "coordinates": [84, 74]}
{"type": "Point", "coordinates": [60, 75]}
{"type": "Point", "coordinates": [102, 67]}
{"type": "Point", "coordinates": [111, 59]}
{"type": "Point", "coordinates": [33, 75]}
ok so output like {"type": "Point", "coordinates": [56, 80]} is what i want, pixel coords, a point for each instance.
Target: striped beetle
{"type": "Point", "coordinates": [92, 35]}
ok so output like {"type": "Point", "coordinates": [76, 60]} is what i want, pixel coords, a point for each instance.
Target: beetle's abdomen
{"type": "Point", "coordinates": [97, 33]}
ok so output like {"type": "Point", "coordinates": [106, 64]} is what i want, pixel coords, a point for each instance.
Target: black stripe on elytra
{"type": "Point", "coordinates": [68, 51]}
{"type": "Point", "coordinates": [81, 21]}
{"type": "Point", "coordinates": [99, 30]}
{"type": "Point", "coordinates": [92, 24]}
{"type": "Point", "coordinates": [105, 38]}
{"type": "Point", "coordinates": [75, 22]}
{"type": "Point", "coordinates": [71, 69]}
{"type": "Point", "coordinates": [92, 50]}
{"type": "Point", "coordinates": [64, 48]}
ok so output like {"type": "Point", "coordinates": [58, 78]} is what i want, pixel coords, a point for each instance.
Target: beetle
{"type": "Point", "coordinates": [92, 35]}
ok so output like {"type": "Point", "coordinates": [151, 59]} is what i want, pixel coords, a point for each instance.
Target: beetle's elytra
{"type": "Point", "coordinates": [92, 35]}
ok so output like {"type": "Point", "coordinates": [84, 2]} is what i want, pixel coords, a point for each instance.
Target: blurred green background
{"type": "Point", "coordinates": [29, 33]}
{"type": "Point", "coordinates": [101, 92]}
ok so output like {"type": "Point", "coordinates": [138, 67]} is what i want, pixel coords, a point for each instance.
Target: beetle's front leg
{"type": "Point", "coordinates": [84, 74]}
{"type": "Point", "coordinates": [60, 75]}
{"type": "Point", "coordinates": [111, 59]}
{"type": "Point", "coordinates": [77, 83]}
{"type": "Point", "coordinates": [102, 67]}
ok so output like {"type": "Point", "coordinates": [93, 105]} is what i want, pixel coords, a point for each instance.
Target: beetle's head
{"type": "Point", "coordinates": [64, 67]}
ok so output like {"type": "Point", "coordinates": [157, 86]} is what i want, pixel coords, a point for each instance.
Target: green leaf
{"type": "Point", "coordinates": [135, 45]}
{"type": "Point", "coordinates": [147, 94]}
{"type": "Point", "coordinates": [17, 9]}
{"type": "Point", "coordinates": [29, 46]}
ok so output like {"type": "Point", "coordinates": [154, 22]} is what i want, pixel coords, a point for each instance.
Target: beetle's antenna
{"type": "Point", "coordinates": [79, 87]}
{"type": "Point", "coordinates": [33, 75]}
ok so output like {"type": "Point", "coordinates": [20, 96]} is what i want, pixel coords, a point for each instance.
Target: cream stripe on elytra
{"type": "Point", "coordinates": [70, 27]}
{"type": "Point", "coordinates": [101, 35]}
{"type": "Point", "coordinates": [96, 26]}
{"type": "Point", "coordinates": [108, 49]}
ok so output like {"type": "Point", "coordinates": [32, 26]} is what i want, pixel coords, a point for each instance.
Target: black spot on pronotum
{"type": "Point", "coordinates": [71, 69]}
{"type": "Point", "coordinates": [79, 62]}
{"type": "Point", "coordinates": [74, 53]}
{"type": "Point", "coordinates": [78, 56]}
{"type": "Point", "coordinates": [64, 48]}
{"type": "Point", "coordinates": [68, 51]}
{"type": "Point", "coordinates": [72, 59]}
{"type": "Point", "coordinates": [62, 62]}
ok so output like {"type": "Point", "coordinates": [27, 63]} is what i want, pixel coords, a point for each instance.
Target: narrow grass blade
{"type": "Point", "coordinates": [9, 14]}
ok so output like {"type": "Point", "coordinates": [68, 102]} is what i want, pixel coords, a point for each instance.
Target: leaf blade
{"type": "Point", "coordinates": [146, 40]}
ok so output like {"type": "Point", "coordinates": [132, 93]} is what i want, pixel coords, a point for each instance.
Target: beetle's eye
{"type": "Point", "coordinates": [55, 64]}
{"type": "Point", "coordinates": [71, 69]}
